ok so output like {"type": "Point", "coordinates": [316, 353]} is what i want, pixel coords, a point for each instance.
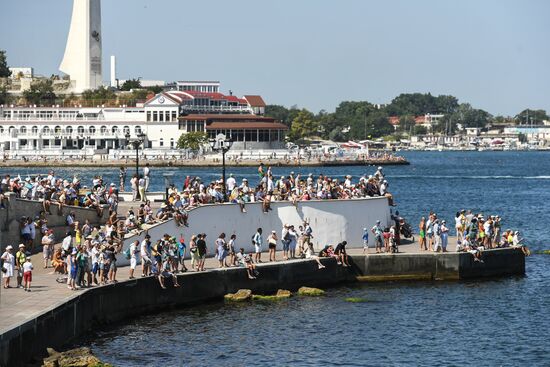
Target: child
{"type": "Point", "coordinates": [365, 241]}
{"type": "Point", "coordinates": [27, 274]}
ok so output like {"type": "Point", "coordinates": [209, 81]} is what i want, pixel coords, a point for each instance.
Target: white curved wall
{"type": "Point", "coordinates": [332, 221]}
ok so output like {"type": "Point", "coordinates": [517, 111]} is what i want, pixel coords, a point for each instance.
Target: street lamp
{"type": "Point", "coordinates": [220, 143]}
{"type": "Point", "coordinates": [140, 139]}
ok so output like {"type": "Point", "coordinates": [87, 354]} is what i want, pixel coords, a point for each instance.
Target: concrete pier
{"type": "Point", "coordinates": [52, 315]}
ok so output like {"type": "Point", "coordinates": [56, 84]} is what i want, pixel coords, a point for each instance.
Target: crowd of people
{"type": "Point", "coordinates": [88, 254]}
{"type": "Point", "coordinates": [474, 233]}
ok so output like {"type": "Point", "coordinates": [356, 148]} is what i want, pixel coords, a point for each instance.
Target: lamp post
{"type": "Point", "coordinates": [221, 143]}
{"type": "Point", "coordinates": [135, 144]}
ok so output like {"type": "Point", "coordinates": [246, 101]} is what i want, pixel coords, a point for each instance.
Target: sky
{"type": "Point", "coordinates": [494, 54]}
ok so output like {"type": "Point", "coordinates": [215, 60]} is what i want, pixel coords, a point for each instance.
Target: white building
{"type": "Point", "coordinates": [55, 130]}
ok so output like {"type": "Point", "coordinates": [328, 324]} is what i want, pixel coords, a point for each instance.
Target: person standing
{"type": "Point", "coordinates": [20, 258]}
{"type": "Point", "coordinates": [422, 234]}
{"type": "Point", "coordinates": [221, 247]}
{"type": "Point", "coordinates": [122, 178]}
{"type": "Point", "coordinates": [133, 257]}
{"type": "Point", "coordinates": [146, 177]}
{"type": "Point", "coordinates": [444, 236]}
{"type": "Point", "coordinates": [285, 239]}
{"type": "Point", "coordinates": [293, 240]}
{"type": "Point", "coordinates": [232, 252]}
{"type": "Point", "coordinates": [365, 241]}
{"type": "Point", "coordinates": [27, 274]}
{"type": "Point", "coordinates": [145, 252]}
{"type": "Point", "coordinates": [257, 242]}
{"type": "Point", "coordinates": [272, 244]}
{"type": "Point", "coordinates": [202, 250]}
{"type": "Point", "coordinates": [142, 187]}
{"type": "Point", "coordinates": [181, 253]}
{"type": "Point", "coordinates": [377, 231]}
{"type": "Point", "coordinates": [8, 266]}
{"type": "Point", "coordinates": [436, 235]}
{"type": "Point", "coordinates": [134, 186]}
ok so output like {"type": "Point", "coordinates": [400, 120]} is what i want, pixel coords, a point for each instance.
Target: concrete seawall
{"type": "Point", "coordinates": [10, 232]}
{"type": "Point", "coordinates": [439, 266]}
{"type": "Point", "coordinates": [332, 221]}
{"type": "Point", "coordinates": [73, 316]}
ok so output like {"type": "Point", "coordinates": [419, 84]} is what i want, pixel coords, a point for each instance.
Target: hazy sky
{"type": "Point", "coordinates": [494, 54]}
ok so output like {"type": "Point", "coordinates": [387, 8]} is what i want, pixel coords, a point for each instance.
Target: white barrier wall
{"type": "Point", "coordinates": [332, 221]}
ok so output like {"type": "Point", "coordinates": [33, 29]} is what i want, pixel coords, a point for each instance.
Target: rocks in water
{"type": "Point", "coordinates": [355, 300]}
{"type": "Point", "coordinates": [281, 294]}
{"type": "Point", "coordinates": [312, 292]}
{"type": "Point", "coordinates": [543, 252]}
{"type": "Point", "coordinates": [241, 295]}
{"type": "Point", "coordinates": [79, 357]}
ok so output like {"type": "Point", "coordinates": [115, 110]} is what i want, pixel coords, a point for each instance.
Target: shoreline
{"type": "Point", "coordinates": [204, 163]}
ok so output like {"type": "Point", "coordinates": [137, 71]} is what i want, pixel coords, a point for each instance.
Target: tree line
{"type": "Point", "coordinates": [360, 120]}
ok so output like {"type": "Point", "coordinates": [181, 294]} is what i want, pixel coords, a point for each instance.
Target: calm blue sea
{"type": "Point", "coordinates": [502, 322]}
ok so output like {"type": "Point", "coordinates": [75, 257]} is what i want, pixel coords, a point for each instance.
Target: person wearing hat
{"type": "Point", "coordinates": [47, 242]}
{"type": "Point", "coordinates": [8, 266]}
{"type": "Point", "coordinates": [20, 258]}
{"type": "Point", "coordinates": [202, 251]}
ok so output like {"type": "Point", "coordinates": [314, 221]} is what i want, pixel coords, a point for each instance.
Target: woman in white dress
{"type": "Point", "coordinates": [8, 267]}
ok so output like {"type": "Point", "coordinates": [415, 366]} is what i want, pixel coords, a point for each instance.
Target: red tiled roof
{"type": "Point", "coordinates": [255, 101]}
{"type": "Point", "coordinates": [219, 125]}
{"type": "Point", "coordinates": [420, 120]}
{"type": "Point", "coordinates": [393, 120]}
{"type": "Point", "coordinates": [228, 117]}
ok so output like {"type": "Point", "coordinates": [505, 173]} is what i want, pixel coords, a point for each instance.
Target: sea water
{"type": "Point", "coordinates": [497, 322]}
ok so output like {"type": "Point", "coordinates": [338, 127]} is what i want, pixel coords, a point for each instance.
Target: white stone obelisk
{"type": "Point", "coordinates": [82, 60]}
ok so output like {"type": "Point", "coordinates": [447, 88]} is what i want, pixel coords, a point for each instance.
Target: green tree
{"type": "Point", "coordinates": [131, 84]}
{"type": "Point", "coordinates": [155, 89]}
{"type": "Point", "coordinates": [4, 69]}
{"type": "Point", "coordinates": [40, 92]}
{"type": "Point", "coordinates": [420, 130]}
{"type": "Point", "coordinates": [406, 123]}
{"type": "Point", "coordinates": [303, 126]}
{"type": "Point", "coordinates": [192, 140]}
{"type": "Point", "coordinates": [98, 96]}
{"type": "Point", "coordinates": [279, 113]}
{"type": "Point", "coordinates": [4, 96]}
{"type": "Point", "coordinates": [528, 117]}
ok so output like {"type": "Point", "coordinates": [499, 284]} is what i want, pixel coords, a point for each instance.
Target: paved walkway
{"type": "Point", "coordinates": [17, 306]}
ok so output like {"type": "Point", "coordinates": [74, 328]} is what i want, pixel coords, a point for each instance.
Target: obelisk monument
{"type": "Point", "coordinates": [82, 60]}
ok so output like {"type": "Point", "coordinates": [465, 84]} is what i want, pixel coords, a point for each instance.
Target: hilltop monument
{"type": "Point", "coordinates": [82, 59]}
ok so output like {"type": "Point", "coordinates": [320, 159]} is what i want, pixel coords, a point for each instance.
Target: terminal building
{"type": "Point", "coordinates": [54, 130]}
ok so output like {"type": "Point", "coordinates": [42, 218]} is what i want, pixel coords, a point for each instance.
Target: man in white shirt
{"type": "Point", "coordinates": [133, 257]}
{"type": "Point", "coordinates": [230, 183]}
{"type": "Point", "coordinates": [145, 256]}
{"type": "Point", "coordinates": [146, 176]}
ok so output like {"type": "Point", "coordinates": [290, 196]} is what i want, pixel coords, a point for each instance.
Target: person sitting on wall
{"type": "Point", "coordinates": [340, 251]}
{"type": "Point", "coordinates": [166, 273]}
{"type": "Point", "coordinates": [245, 260]}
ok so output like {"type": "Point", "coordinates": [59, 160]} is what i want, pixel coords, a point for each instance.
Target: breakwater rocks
{"type": "Point", "coordinates": [246, 295]}
{"type": "Point", "coordinates": [79, 357]}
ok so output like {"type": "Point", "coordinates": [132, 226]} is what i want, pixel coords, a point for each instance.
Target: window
{"type": "Point", "coordinates": [69, 130]}
{"type": "Point", "coordinates": [161, 116]}
{"type": "Point", "coordinates": [148, 115]}
{"type": "Point", "coordinates": [34, 129]}
{"type": "Point", "coordinates": [155, 116]}
{"type": "Point", "coordinates": [114, 130]}
{"type": "Point", "coordinates": [174, 116]}
{"type": "Point", "coordinates": [46, 130]}
{"type": "Point", "coordinates": [161, 142]}
{"type": "Point", "coordinates": [172, 143]}
{"type": "Point", "coordinates": [138, 130]}
{"type": "Point", "coordinates": [57, 129]}
{"type": "Point", "coordinates": [103, 130]}
{"type": "Point", "coordinates": [80, 130]}
{"type": "Point", "coordinates": [23, 130]}
{"type": "Point", "coordinates": [1, 129]}
{"type": "Point", "coordinates": [126, 130]}
{"type": "Point", "coordinates": [92, 129]}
